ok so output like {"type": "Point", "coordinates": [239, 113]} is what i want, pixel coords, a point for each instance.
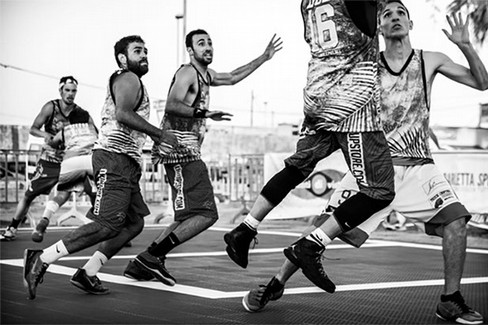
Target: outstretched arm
{"type": "Point", "coordinates": [231, 78]}
{"type": "Point", "coordinates": [476, 76]}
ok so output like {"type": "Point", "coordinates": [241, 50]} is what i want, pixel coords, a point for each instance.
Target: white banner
{"type": "Point", "coordinates": [467, 171]}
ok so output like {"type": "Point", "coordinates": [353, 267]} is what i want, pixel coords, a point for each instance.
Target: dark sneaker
{"type": "Point", "coordinates": [34, 270]}
{"type": "Point", "coordinates": [135, 270]}
{"type": "Point", "coordinates": [9, 234]}
{"type": "Point", "coordinates": [155, 265]}
{"type": "Point", "coordinates": [38, 233]}
{"type": "Point", "coordinates": [453, 308]}
{"type": "Point", "coordinates": [238, 242]}
{"type": "Point", "coordinates": [256, 299]}
{"type": "Point", "coordinates": [307, 255]}
{"type": "Point", "coordinates": [90, 284]}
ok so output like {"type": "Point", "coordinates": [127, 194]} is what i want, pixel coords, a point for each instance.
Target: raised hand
{"type": "Point", "coordinates": [273, 46]}
{"type": "Point", "coordinates": [459, 30]}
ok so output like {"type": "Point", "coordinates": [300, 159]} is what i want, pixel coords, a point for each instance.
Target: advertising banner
{"type": "Point", "coordinates": [466, 171]}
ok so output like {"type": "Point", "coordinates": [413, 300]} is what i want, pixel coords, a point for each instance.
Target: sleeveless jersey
{"type": "Point", "coordinates": [56, 123]}
{"type": "Point", "coordinates": [190, 131]}
{"type": "Point", "coordinates": [117, 137]}
{"type": "Point", "coordinates": [405, 111]}
{"type": "Point", "coordinates": [342, 91]}
{"type": "Point", "coordinates": [79, 139]}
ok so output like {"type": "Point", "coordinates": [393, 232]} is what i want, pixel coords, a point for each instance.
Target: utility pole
{"type": "Point", "coordinates": [252, 107]}
{"type": "Point", "coordinates": [184, 32]}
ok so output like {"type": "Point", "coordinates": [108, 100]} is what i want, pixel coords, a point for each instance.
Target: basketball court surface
{"type": "Point", "coordinates": [384, 282]}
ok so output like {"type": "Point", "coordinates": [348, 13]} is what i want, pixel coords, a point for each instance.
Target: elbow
{"type": "Point", "coordinates": [121, 116]}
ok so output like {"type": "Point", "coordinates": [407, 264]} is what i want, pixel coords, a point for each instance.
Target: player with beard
{"type": "Point", "coordinates": [187, 109]}
{"type": "Point", "coordinates": [119, 207]}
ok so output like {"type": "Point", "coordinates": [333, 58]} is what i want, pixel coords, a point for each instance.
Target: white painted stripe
{"type": "Point", "coordinates": [370, 243]}
{"type": "Point", "coordinates": [217, 294]}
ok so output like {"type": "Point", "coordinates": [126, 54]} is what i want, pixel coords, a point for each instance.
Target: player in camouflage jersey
{"type": "Point", "coordinates": [341, 100]}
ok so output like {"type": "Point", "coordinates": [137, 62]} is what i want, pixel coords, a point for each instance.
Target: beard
{"type": "Point", "coordinates": [202, 60]}
{"type": "Point", "coordinates": [137, 68]}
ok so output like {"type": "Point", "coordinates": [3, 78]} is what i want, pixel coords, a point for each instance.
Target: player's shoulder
{"type": "Point", "coordinates": [435, 58]}
{"type": "Point", "coordinates": [124, 75]}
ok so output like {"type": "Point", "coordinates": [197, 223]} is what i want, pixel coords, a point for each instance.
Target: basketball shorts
{"type": "Point", "coordinates": [73, 173]}
{"type": "Point", "coordinates": [422, 194]}
{"type": "Point", "coordinates": [118, 200]}
{"type": "Point", "coordinates": [191, 190]}
{"type": "Point", "coordinates": [367, 156]}
{"type": "Point", "coordinates": [44, 179]}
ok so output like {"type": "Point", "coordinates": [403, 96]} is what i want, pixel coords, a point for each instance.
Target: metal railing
{"type": "Point", "coordinates": [239, 178]}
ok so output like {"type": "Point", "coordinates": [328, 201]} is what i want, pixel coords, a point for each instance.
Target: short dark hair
{"type": "Point", "coordinates": [189, 36]}
{"type": "Point", "coordinates": [386, 2]}
{"type": "Point", "coordinates": [122, 45]}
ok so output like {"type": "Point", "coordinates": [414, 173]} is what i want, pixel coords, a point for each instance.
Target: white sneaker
{"type": "Point", "coordinates": [9, 234]}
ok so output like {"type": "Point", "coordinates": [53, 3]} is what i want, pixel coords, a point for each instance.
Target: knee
{"type": "Point", "coordinates": [281, 184]}
{"type": "Point", "coordinates": [456, 228]}
{"type": "Point", "coordinates": [61, 197]}
{"type": "Point", "coordinates": [136, 227]}
{"type": "Point", "coordinates": [357, 209]}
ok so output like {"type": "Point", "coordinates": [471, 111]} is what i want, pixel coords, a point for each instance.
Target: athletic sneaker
{"type": "Point", "coordinates": [307, 255]}
{"type": "Point", "coordinates": [256, 299]}
{"type": "Point", "coordinates": [453, 308]}
{"type": "Point", "coordinates": [34, 270]}
{"type": "Point", "coordinates": [38, 233]}
{"type": "Point", "coordinates": [238, 242]}
{"type": "Point", "coordinates": [9, 234]}
{"type": "Point", "coordinates": [135, 270]}
{"type": "Point", "coordinates": [155, 265]}
{"type": "Point", "coordinates": [90, 284]}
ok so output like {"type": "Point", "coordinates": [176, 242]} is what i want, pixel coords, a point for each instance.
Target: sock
{"type": "Point", "coordinates": [163, 248]}
{"type": "Point", "coordinates": [51, 208]}
{"type": "Point", "coordinates": [54, 252]}
{"type": "Point", "coordinates": [14, 223]}
{"type": "Point", "coordinates": [251, 222]}
{"type": "Point", "coordinates": [95, 263]}
{"type": "Point", "coordinates": [318, 236]}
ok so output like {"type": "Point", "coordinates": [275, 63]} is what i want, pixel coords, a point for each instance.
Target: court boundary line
{"type": "Point", "coordinates": [218, 294]}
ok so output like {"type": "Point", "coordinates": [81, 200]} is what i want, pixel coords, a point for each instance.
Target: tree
{"type": "Point", "coordinates": [477, 12]}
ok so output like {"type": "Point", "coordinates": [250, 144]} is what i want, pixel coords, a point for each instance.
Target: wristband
{"type": "Point", "coordinates": [199, 113]}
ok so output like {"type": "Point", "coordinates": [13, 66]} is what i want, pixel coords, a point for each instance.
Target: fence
{"type": "Point", "coordinates": [239, 178]}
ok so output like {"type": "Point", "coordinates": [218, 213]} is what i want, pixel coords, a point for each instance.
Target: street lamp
{"type": "Point", "coordinates": [178, 38]}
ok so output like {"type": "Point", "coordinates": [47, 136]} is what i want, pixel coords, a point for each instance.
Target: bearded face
{"type": "Point", "coordinates": [139, 67]}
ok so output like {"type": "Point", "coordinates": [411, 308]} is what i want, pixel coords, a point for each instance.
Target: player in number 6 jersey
{"type": "Point", "coordinates": [341, 101]}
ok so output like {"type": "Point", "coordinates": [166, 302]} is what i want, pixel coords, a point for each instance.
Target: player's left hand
{"type": "Point", "coordinates": [459, 30]}
{"type": "Point", "coordinates": [273, 46]}
{"type": "Point", "coordinates": [218, 115]}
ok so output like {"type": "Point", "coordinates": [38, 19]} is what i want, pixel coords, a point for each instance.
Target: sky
{"type": "Point", "coordinates": [48, 39]}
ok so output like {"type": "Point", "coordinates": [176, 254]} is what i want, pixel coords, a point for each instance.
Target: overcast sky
{"type": "Point", "coordinates": [52, 38]}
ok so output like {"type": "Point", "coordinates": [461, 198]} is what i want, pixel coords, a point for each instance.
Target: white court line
{"type": "Point", "coordinates": [217, 294]}
{"type": "Point", "coordinates": [369, 243]}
